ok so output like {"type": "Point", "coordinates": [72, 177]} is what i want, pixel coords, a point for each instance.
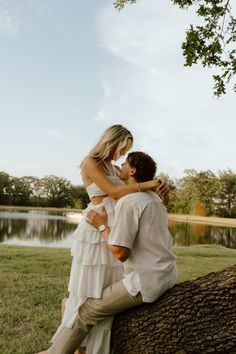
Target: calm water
{"type": "Point", "coordinates": [53, 229]}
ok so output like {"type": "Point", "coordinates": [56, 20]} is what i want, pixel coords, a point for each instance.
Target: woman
{"type": "Point", "coordinates": [93, 266]}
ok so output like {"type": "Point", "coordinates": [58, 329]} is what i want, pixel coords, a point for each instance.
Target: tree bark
{"type": "Point", "coordinates": [193, 317]}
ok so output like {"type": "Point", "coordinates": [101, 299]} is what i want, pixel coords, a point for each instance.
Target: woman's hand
{"type": "Point", "coordinates": [163, 190]}
{"type": "Point", "coordinates": [96, 219]}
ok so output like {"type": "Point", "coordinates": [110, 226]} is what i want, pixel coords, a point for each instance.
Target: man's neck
{"type": "Point", "coordinates": [130, 180]}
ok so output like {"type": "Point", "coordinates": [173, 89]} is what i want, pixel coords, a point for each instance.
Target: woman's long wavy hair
{"type": "Point", "coordinates": [114, 139]}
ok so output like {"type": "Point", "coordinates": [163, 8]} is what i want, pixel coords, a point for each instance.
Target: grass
{"type": "Point", "coordinates": [34, 280]}
{"type": "Point", "coordinates": [196, 261]}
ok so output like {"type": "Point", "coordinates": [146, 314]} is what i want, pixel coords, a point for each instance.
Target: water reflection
{"type": "Point", "coordinates": [53, 229]}
{"type": "Point", "coordinates": [36, 228]}
{"type": "Point", "coordinates": [187, 234]}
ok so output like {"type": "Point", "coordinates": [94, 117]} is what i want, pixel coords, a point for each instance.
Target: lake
{"type": "Point", "coordinates": [55, 229]}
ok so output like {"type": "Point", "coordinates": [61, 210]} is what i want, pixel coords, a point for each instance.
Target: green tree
{"type": "Point", "coordinates": [80, 196]}
{"type": "Point", "coordinates": [226, 194]}
{"type": "Point", "coordinates": [196, 193]}
{"type": "Point", "coordinates": [5, 187]}
{"type": "Point", "coordinates": [35, 185]}
{"type": "Point", "coordinates": [206, 185]}
{"type": "Point", "coordinates": [181, 197]}
{"type": "Point", "coordinates": [20, 192]}
{"type": "Point", "coordinates": [213, 42]}
{"type": "Point", "coordinates": [57, 191]}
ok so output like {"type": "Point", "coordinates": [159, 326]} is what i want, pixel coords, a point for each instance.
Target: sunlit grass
{"type": "Point", "coordinates": [196, 261]}
{"type": "Point", "coordinates": [34, 280]}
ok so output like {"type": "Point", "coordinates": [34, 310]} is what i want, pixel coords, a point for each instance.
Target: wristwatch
{"type": "Point", "coordinates": [102, 228]}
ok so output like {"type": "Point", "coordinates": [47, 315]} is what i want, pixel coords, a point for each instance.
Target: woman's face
{"type": "Point", "coordinates": [122, 151]}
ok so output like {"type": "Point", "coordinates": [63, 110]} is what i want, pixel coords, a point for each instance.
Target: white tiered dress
{"type": "Point", "coordinates": [93, 269]}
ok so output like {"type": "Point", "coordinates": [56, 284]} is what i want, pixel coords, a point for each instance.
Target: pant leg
{"type": "Point", "coordinates": [115, 299]}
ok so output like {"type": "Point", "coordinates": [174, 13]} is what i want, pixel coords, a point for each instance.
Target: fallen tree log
{"type": "Point", "coordinates": [193, 317]}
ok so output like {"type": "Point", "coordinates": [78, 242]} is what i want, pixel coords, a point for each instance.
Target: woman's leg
{"type": "Point", "coordinates": [63, 306]}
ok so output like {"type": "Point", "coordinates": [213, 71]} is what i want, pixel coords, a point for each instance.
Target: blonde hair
{"type": "Point", "coordinates": [111, 142]}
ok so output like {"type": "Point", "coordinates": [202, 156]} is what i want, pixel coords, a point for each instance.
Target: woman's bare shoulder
{"type": "Point", "coordinates": [87, 168]}
{"type": "Point", "coordinates": [89, 161]}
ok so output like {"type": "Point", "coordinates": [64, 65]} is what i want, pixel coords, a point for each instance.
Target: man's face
{"type": "Point", "coordinates": [125, 170]}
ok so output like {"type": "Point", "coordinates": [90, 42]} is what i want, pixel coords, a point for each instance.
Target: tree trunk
{"type": "Point", "coordinates": [193, 317]}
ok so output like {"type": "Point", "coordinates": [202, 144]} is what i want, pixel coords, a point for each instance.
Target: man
{"type": "Point", "coordinates": [140, 238]}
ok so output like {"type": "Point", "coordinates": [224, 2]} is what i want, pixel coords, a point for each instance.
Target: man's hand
{"type": "Point", "coordinates": [96, 219]}
{"type": "Point", "coordinates": [163, 190]}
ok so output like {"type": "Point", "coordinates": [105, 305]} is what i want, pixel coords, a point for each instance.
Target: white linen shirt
{"type": "Point", "coordinates": [140, 224]}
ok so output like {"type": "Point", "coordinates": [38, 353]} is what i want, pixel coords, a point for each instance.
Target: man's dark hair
{"type": "Point", "coordinates": [144, 164]}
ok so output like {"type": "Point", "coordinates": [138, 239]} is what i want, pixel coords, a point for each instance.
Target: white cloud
{"type": "Point", "coordinates": [8, 24]}
{"type": "Point", "coordinates": [18, 16]}
{"type": "Point", "coordinates": [59, 136]}
{"type": "Point", "coordinates": [20, 168]}
{"type": "Point", "coordinates": [140, 34]}
{"type": "Point", "coordinates": [27, 166]}
{"type": "Point", "coordinates": [101, 114]}
{"type": "Point", "coordinates": [169, 108]}
{"type": "Point", "coordinates": [21, 165]}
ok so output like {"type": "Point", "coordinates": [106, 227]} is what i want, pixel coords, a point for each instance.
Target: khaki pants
{"type": "Point", "coordinates": [115, 299]}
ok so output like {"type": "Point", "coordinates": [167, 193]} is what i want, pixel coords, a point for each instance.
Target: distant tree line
{"type": "Point", "coordinates": [50, 191]}
{"type": "Point", "coordinates": [204, 193]}
{"type": "Point", "coordinates": [199, 193]}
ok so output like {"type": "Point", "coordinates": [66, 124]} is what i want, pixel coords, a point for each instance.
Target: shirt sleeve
{"type": "Point", "coordinates": [125, 226]}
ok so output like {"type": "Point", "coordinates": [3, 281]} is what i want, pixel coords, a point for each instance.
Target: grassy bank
{"type": "Point", "coordinates": [208, 220]}
{"type": "Point", "coordinates": [34, 280]}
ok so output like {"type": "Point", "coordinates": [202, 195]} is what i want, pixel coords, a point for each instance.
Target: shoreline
{"type": "Point", "coordinates": [208, 220]}
{"type": "Point", "coordinates": [15, 207]}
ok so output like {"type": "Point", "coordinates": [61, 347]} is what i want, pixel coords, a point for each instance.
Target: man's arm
{"type": "Point", "coordinates": [95, 219]}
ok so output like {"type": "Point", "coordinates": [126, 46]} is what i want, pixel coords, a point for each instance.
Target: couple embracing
{"type": "Point", "coordinates": [122, 254]}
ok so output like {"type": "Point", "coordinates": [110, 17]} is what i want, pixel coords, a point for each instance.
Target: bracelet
{"type": "Point", "coordinates": [139, 189]}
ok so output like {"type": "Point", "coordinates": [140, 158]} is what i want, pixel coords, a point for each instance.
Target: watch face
{"type": "Point", "coordinates": [101, 228]}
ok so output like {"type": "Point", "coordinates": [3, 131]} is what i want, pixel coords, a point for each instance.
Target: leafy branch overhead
{"type": "Point", "coordinates": [213, 42]}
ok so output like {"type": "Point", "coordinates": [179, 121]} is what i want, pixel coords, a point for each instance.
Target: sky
{"type": "Point", "coordinates": [69, 69]}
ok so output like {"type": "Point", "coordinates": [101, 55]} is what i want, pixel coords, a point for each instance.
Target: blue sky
{"type": "Point", "coordinates": [70, 69]}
